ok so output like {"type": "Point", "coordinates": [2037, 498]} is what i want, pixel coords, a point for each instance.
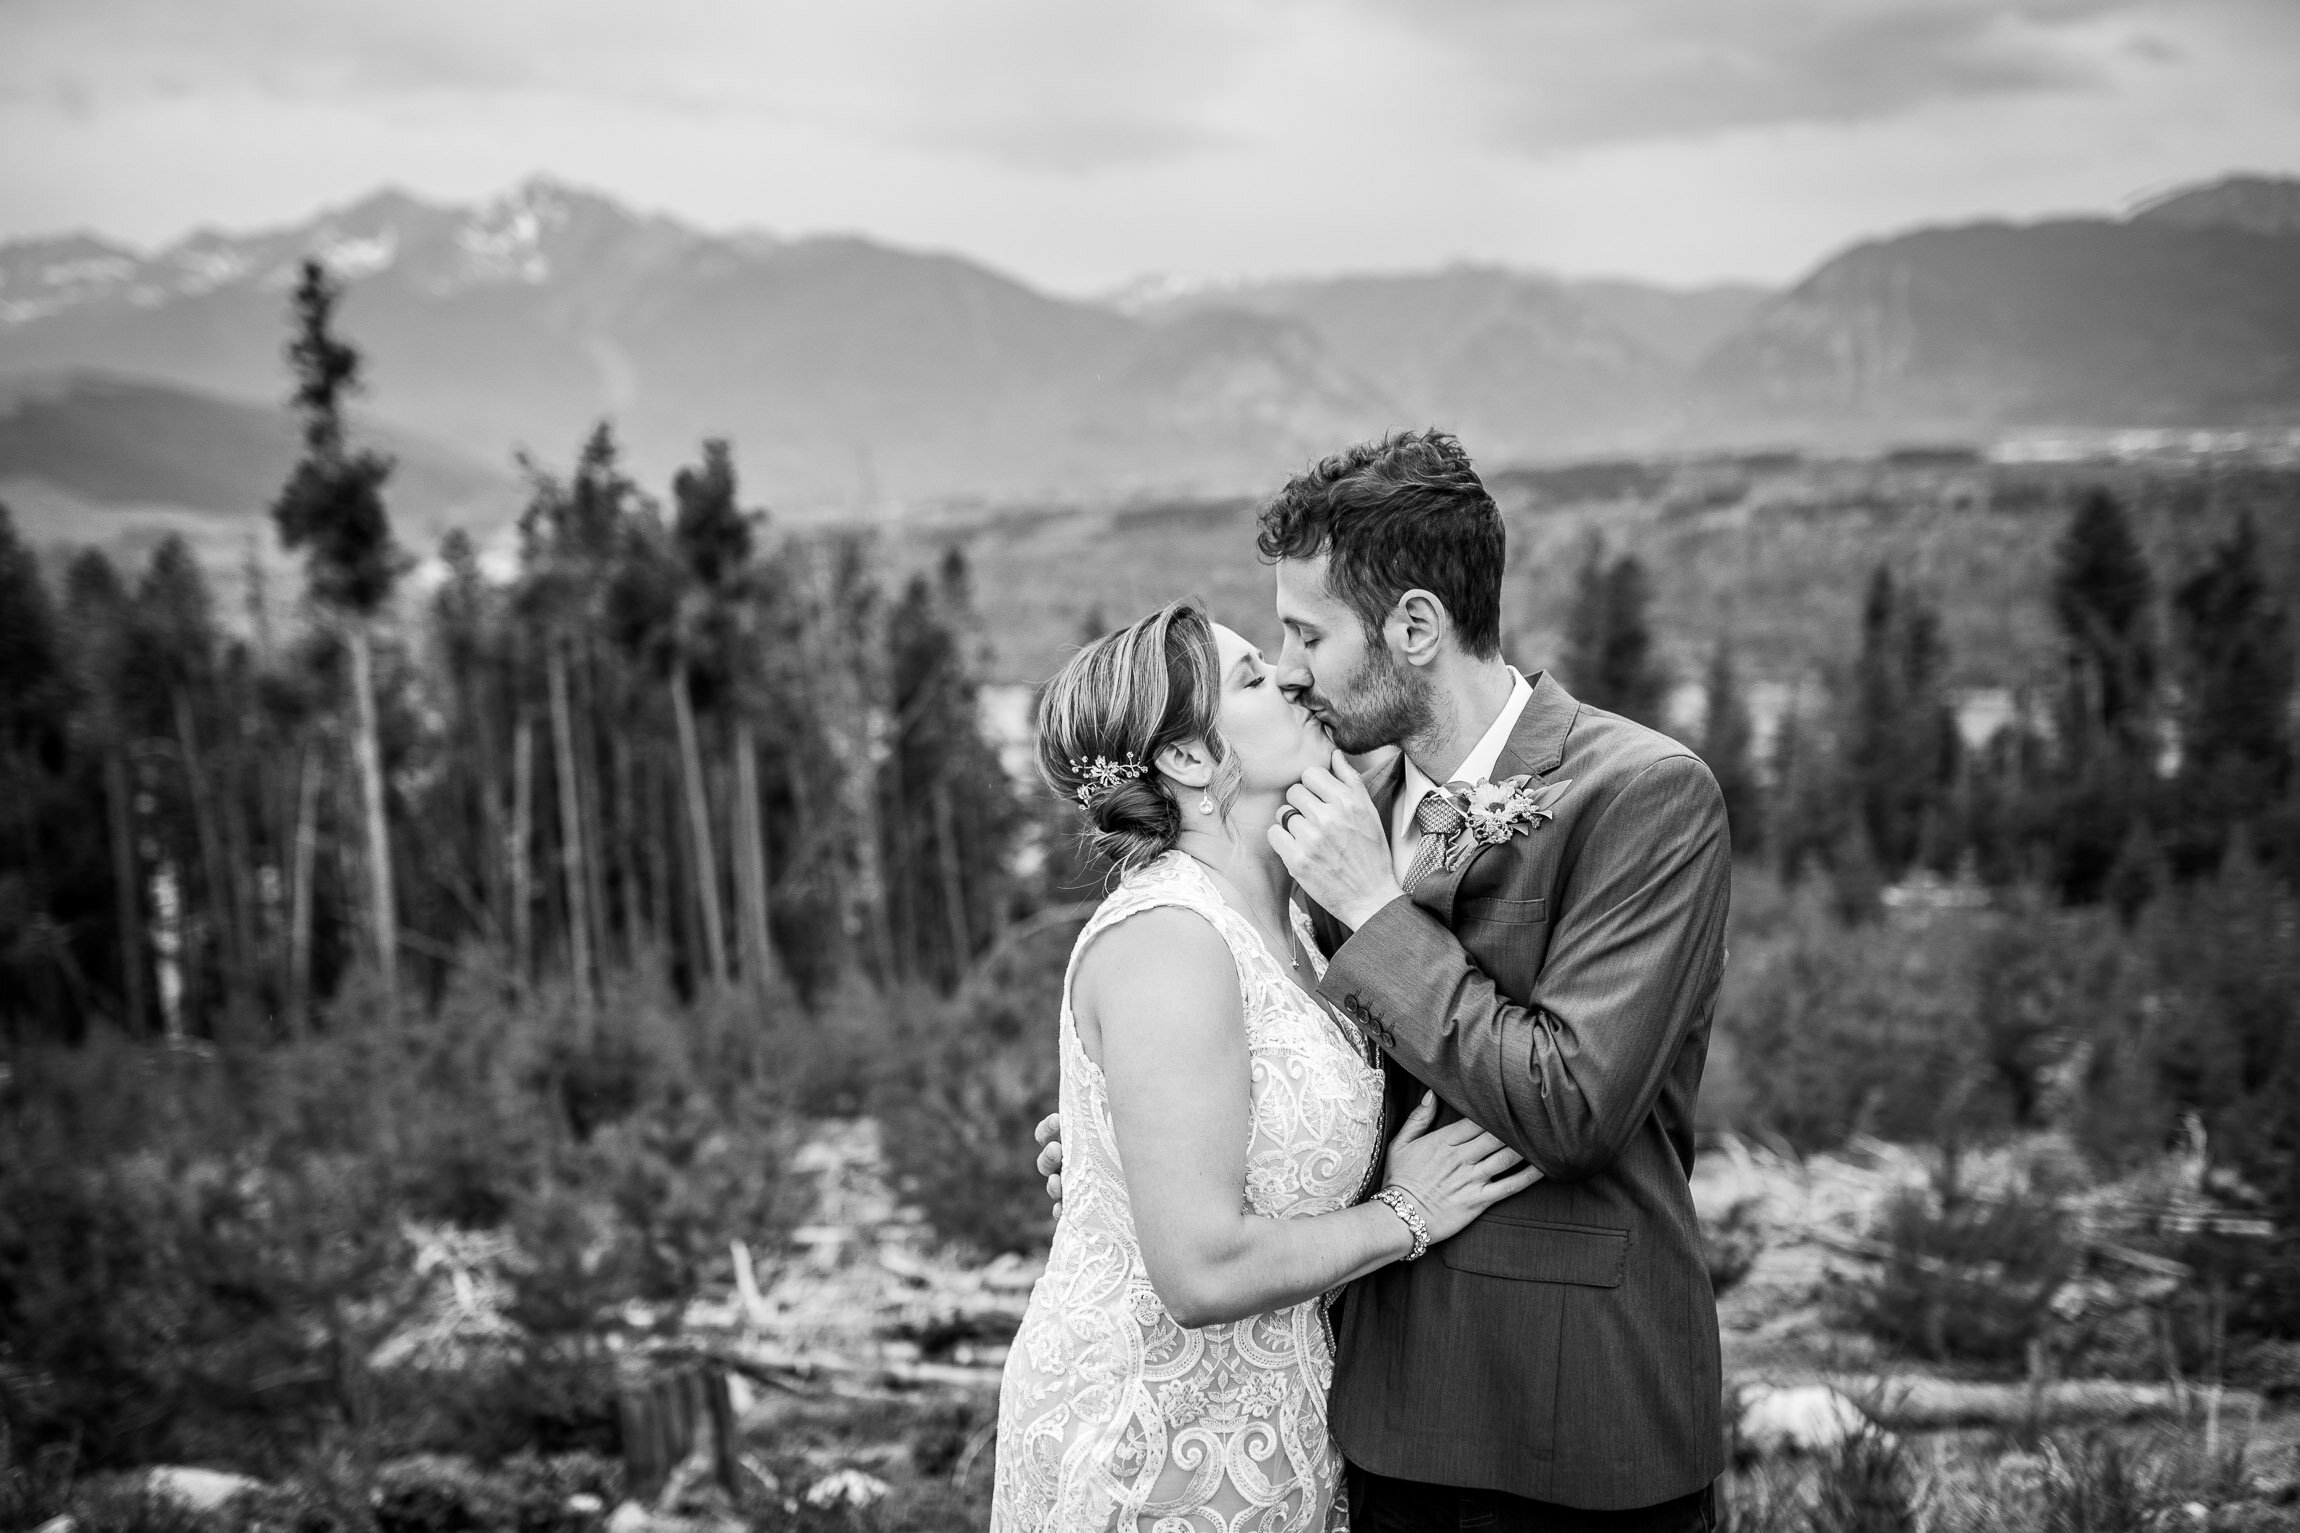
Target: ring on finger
{"type": "Point", "coordinates": [1287, 816]}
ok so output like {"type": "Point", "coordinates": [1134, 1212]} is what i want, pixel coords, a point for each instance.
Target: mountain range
{"type": "Point", "coordinates": [854, 376]}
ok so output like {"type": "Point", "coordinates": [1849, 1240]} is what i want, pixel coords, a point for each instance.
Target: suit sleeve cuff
{"type": "Point", "coordinates": [1383, 975]}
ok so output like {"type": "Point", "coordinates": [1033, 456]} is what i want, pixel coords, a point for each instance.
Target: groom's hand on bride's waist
{"type": "Point", "coordinates": [1049, 1134]}
{"type": "Point", "coordinates": [1331, 838]}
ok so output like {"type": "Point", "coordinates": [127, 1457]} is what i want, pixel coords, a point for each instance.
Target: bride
{"type": "Point", "coordinates": [1170, 1374]}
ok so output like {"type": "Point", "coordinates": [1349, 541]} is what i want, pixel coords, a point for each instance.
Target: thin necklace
{"type": "Point", "coordinates": [1293, 952]}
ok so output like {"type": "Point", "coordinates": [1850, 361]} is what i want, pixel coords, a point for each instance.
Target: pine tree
{"type": "Point", "coordinates": [1586, 621]}
{"type": "Point", "coordinates": [2102, 594]}
{"type": "Point", "coordinates": [33, 681]}
{"type": "Point", "coordinates": [469, 653]}
{"type": "Point", "coordinates": [2102, 600]}
{"type": "Point", "coordinates": [35, 699]}
{"type": "Point", "coordinates": [2237, 677]}
{"type": "Point", "coordinates": [96, 614]}
{"type": "Point", "coordinates": [574, 537]}
{"type": "Point", "coordinates": [1728, 745]}
{"type": "Point", "coordinates": [714, 540]}
{"type": "Point", "coordinates": [332, 507]}
{"type": "Point", "coordinates": [1900, 738]}
{"type": "Point", "coordinates": [1609, 659]}
{"type": "Point", "coordinates": [948, 803]}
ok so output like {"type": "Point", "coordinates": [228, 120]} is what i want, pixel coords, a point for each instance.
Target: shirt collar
{"type": "Point", "coordinates": [1478, 764]}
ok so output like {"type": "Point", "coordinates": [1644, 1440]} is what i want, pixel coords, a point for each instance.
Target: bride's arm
{"type": "Point", "coordinates": [1159, 993]}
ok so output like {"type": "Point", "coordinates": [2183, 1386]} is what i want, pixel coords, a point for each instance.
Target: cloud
{"type": "Point", "coordinates": [1569, 74]}
{"type": "Point", "coordinates": [1082, 144]}
{"type": "Point", "coordinates": [1042, 84]}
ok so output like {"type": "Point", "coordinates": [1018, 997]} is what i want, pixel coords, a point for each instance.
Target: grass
{"type": "Point", "coordinates": [2129, 1482]}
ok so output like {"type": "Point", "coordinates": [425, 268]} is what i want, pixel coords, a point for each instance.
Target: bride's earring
{"type": "Point", "coordinates": [1205, 803]}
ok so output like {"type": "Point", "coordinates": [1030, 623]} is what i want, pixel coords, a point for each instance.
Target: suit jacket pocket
{"type": "Point", "coordinates": [1503, 912]}
{"type": "Point", "coordinates": [1587, 1254]}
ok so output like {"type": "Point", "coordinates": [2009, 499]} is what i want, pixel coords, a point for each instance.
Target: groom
{"type": "Point", "coordinates": [1526, 909]}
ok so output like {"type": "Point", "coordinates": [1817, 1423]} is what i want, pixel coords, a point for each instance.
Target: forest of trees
{"type": "Point", "coordinates": [672, 738]}
{"type": "Point", "coordinates": [2168, 742]}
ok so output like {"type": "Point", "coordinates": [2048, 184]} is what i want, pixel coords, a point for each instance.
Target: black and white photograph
{"type": "Point", "coordinates": [1261, 767]}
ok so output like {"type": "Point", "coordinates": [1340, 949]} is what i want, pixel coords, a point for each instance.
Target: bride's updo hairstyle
{"type": "Point", "coordinates": [1107, 714]}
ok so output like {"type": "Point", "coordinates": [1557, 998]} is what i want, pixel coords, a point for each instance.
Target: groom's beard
{"type": "Point", "coordinates": [1388, 704]}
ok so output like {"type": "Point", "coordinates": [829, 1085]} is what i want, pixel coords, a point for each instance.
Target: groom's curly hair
{"type": "Point", "coordinates": [1404, 513]}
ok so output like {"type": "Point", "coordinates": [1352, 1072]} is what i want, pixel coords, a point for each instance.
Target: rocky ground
{"type": "Point", "coordinates": [861, 1361]}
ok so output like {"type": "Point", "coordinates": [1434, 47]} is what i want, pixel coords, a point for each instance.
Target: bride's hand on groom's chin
{"type": "Point", "coordinates": [1331, 839]}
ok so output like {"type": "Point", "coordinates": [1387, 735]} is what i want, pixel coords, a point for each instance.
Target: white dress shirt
{"type": "Point", "coordinates": [1415, 785]}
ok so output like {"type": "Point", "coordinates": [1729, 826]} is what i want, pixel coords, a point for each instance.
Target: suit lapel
{"type": "Point", "coordinates": [1536, 748]}
{"type": "Point", "coordinates": [1537, 744]}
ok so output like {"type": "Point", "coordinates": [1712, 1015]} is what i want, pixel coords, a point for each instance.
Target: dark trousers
{"type": "Point", "coordinates": [1379, 1504]}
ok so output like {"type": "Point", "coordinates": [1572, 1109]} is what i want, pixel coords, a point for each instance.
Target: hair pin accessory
{"type": "Point", "coordinates": [1101, 775]}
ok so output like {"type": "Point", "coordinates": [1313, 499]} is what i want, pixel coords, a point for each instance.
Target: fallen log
{"type": "Point", "coordinates": [1932, 1405]}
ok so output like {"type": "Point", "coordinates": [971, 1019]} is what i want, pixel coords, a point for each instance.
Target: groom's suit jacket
{"type": "Point", "coordinates": [1556, 989]}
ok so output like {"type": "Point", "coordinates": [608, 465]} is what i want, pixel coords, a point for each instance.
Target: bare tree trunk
{"type": "Point", "coordinates": [519, 851]}
{"type": "Point", "coordinates": [491, 827]}
{"type": "Point", "coordinates": [596, 847]}
{"type": "Point", "coordinates": [699, 828]}
{"type": "Point", "coordinates": [570, 830]}
{"type": "Point", "coordinates": [953, 879]}
{"type": "Point", "coordinates": [300, 891]}
{"type": "Point", "coordinates": [626, 844]}
{"type": "Point", "coordinates": [120, 803]}
{"type": "Point", "coordinates": [383, 912]}
{"type": "Point", "coordinates": [239, 867]}
{"type": "Point", "coordinates": [657, 849]}
{"type": "Point", "coordinates": [169, 970]}
{"type": "Point", "coordinates": [214, 874]}
{"type": "Point", "coordinates": [751, 861]}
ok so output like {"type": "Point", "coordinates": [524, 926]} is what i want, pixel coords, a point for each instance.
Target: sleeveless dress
{"type": "Point", "coordinates": [1111, 1416]}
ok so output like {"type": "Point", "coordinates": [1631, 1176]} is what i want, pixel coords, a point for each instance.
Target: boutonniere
{"type": "Point", "coordinates": [1494, 812]}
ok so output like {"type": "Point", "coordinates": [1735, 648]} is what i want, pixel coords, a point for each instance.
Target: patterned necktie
{"type": "Point", "coordinates": [1437, 817]}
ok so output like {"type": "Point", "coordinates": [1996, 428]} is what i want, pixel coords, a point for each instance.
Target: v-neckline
{"type": "Point", "coordinates": [1288, 969]}
{"type": "Point", "coordinates": [1289, 974]}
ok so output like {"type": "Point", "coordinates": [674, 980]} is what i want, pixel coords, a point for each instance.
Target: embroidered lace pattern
{"type": "Point", "coordinates": [1110, 1415]}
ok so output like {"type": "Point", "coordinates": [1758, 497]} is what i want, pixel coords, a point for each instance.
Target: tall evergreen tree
{"type": "Point", "coordinates": [1728, 745]}
{"type": "Point", "coordinates": [332, 508]}
{"type": "Point", "coordinates": [2236, 686]}
{"type": "Point", "coordinates": [2102, 596]}
{"type": "Point", "coordinates": [573, 536]}
{"type": "Point", "coordinates": [35, 696]}
{"type": "Point", "coordinates": [96, 614]}
{"type": "Point", "coordinates": [1609, 659]}
{"type": "Point", "coordinates": [1900, 738]}
{"type": "Point", "coordinates": [948, 805]}
{"type": "Point", "coordinates": [713, 538]}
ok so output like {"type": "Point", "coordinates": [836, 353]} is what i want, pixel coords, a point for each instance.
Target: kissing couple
{"type": "Point", "coordinates": [1377, 1092]}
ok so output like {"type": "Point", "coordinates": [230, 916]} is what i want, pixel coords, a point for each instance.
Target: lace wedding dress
{"type": "Point", "coordinates": [1110, 1415]}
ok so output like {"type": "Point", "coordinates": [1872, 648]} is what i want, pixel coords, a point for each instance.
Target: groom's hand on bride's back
{"type": "Point", "coordinates": [1049, 1135]}
{"type": "Point", "coordinates": [1331, 838]}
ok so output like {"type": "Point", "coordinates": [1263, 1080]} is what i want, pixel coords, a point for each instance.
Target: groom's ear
{"type": "Point", "coordinates": [1186, 762]}
{"type": "Point", "coordinates": [1417, 627]}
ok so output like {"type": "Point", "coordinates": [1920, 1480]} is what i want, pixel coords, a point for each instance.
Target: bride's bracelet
{"type": "Point", "coordinates": [1403, 1203]}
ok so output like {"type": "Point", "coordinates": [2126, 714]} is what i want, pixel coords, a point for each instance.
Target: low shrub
{"type": "Point", "coordinates": [1967, 1277]}
{"type": "Point", "coordinates": [1869, 1485]}
{"type": "Point", "coordinates": [1832, 1030]}
{"type": "Point", "coordinates": [964, 1084]}
{"type": "Point", "coordinates": [1731, 1244]}
{"type": "Point", "coordinates": [200, 1250]}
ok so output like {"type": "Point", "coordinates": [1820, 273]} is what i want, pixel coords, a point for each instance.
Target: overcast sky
{"type": "Point", "coordinates": [1080, 143]}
